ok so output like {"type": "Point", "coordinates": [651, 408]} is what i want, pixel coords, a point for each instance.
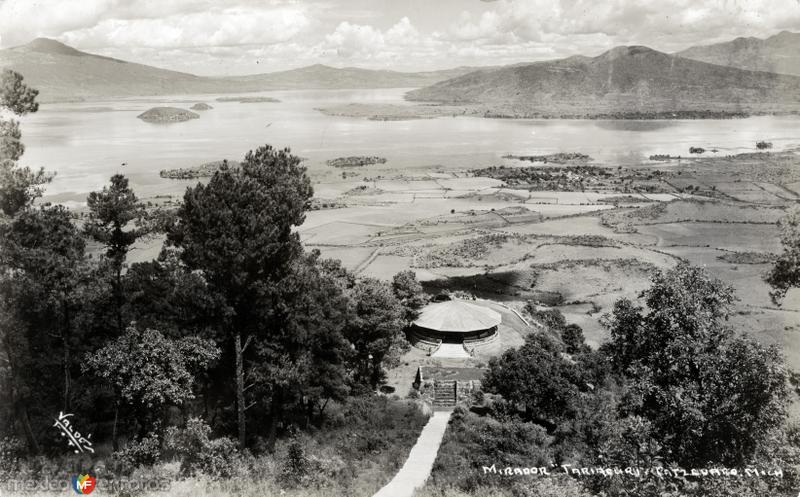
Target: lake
{"type": "Point", "coordinates": [85, 143]}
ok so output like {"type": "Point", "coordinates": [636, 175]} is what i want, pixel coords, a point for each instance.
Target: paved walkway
{"type": "Point", "coordinates": [454, 350]}
{"type": "Point", "coordinates": [418, 466]}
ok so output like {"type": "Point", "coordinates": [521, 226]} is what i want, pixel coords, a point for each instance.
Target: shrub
{"type": "Point", "coordinates": [551, 318]}
{"type": "Point", "coordinates": [11, 451]}
{"type": "Point", "coordinates": [214, 457]}
{"type": "Point", "coordinates": [144, 452]}
{"type": "Point", "coordinates": [473, 441]}
{"type": "Point", "coordinates": [295, 466]}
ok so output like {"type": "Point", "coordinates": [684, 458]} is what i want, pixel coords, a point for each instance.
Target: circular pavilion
{"type": "Point", "coordinates": [455, 321]}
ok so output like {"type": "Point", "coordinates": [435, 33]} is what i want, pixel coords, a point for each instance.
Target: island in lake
{"type": "Point", "coordinates": [356, 161]}
{"type": "Point", "coordinates": [167, 115]}
{"type": "Point", "coordinates": [202, 171]}
{"type": "Point", "coordinates": [201, 106]}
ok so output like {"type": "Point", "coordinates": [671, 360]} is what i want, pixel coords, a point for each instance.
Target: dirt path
{"type": "Point", "coordinates": [369, 260]}
{"type": "Point", "coordinates": [418, 466]}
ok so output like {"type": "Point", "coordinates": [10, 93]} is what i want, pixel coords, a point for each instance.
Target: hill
{"type": "Point", "coordinates": [779, 53]}
{"type": "Point", "coordinates": [61, 73]}
{"type": "Point", "coordinates": [319, 76]}
{"type": "Point", "coordinates": [167, 115]}
{"type": "Point", "coordinates": [625, 80]}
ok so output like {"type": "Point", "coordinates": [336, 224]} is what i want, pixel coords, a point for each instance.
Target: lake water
{"type": "Point", "coordinates": [85, 143]}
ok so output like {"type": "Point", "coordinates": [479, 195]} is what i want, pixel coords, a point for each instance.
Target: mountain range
{"type": "Point", "coordinates": [779, 53]}
{"type": "Point", "coordinates": [744, 74]}
{"type": "Point", "coordinates": [627, 80]}
{"type": "Point", "coordinates": [61, 73]}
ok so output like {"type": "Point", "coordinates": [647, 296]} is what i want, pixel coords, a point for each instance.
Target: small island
{"type": "Point", "coordinates": [167, 115]}
{"type": "Point", "coordinates": [202, 171]}
{"type": "Point", "coordinates": [201, 106]}
{"type": "Point", "coordinates": [558, 158]}
{"type": "Point", "coordinates": [356, 161]}
{"type": "Point", "coordinates": [248, 100]}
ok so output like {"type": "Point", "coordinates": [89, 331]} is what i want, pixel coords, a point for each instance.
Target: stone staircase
{"type": "Point", "coordinates": [444, 394]}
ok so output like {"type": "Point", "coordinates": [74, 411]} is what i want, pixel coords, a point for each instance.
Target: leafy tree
{"type": "Point", "coordinates": [786, 272]}
{"type": "Point", "coordinates": [572, 336]}
{"type": "Point", "coordinates": [375, 328]}
{"type": "Point", "coordinates": [19, 186]}
{"type": "Point", "coordinates": [535, 377]}
{"type": "Point", "coordinates": [112, 212]}
{"type": "Point", "coordinates": [409, 291]}
{"type": "Point", "coordinates": [238, 231]}
{"type": "Point", "coordinates": [148, 371]}
{"type": "Point", "coordinates": [682, 360]}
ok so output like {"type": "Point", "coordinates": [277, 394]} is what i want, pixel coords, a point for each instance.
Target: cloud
{"type": "Point", "coordinates": [222, 27]}
{"type": "Point", "coordinates": [21, 20]}
{"type": "Point", "coordinates": [240, 36]}
{"type": "Point", "coordinates": [153, 23]}
{"type": "Point", "coordinates": [668, 24]}
{"type": "Point", "coordinates": [360, 41]}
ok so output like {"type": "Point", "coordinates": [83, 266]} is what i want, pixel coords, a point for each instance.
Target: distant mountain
{"type": "Point", "coordinates": [779, 53]}
{"type": "Point", "coordinates": [623, 80]}
{"type": "Point", "coordinates": [61, 72]}
{"type": "Point", "coordinates": [322, 76]}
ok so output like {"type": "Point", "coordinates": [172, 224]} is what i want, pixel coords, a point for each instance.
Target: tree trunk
{"type": "Point", "coordinates": [114, 441]}
{"type": "Point", "coordinates": [20, 409]}
{"type": "Point", "coordinates": [240, 407]}
{"type": "Point", "coordinates": [118, 298]}
{"type": "Point", "coordinates": [25, 420]}
{"type": "Point", "coordinates": [65, 332]}
{"type": "Point", "coordinates": [275, 416]}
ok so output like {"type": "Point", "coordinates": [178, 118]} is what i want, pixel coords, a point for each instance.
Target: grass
{"type": "Point", "coordinates": [353, 453]}
{"type": "Point", "coordinates": [472, 442]}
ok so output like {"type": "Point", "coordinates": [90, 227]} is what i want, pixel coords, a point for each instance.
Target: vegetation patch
{"type": "Point", "coordinates": [167, 115]}
{"type": "Point", "coordinates": [202, 171]}
{"type": "Point", "coordinates": [559, 158]}
{"type": "Point", "coordinates": [748, 257]}
{"type": "Point", "coordinates": [356, 161]}
{"type": "Point", "coordinates": [578, 177]}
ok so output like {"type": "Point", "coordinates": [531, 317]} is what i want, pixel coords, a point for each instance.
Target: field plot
{"type": "Point", "coordinates": [734, 237]}
{"type": "Point", "coordinates": [575, 250]}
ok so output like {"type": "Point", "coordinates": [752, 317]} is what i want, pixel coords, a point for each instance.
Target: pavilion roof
{"type": "Point", "coordinates": [457, 316]}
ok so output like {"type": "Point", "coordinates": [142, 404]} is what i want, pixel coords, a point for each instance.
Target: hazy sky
{"type": "Point", "coordinates": [248, 36]}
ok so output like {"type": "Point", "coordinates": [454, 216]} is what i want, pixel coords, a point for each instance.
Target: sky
{"type": "Point", "coordinates": [229, 37]}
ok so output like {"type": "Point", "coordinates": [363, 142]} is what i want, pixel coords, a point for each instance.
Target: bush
{"type": "Point", "coordinates": [144, 452]}
{"type": "Point", "coordinates": [11, 451]}
{"type": "Point", "coordinates": [472, 442]}
{"type": "Point", "coordinates": [551, 318]}
{"type": "Point", "coordinates": [214, 457]}
{"type": "Point", "coordinates": [295, 466]}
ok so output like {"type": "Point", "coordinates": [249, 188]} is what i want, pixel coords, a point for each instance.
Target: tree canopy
{"type": "Point", "coordinates": [711, 396]}
{"type": "Point", "coordinates": [19, 186]}
{"type": "Point", "coordinates": [785, 274]}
